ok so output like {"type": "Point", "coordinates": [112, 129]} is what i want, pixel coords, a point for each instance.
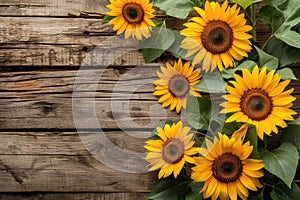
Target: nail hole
{"type": "Point", "coordinates": [86, 33]}
{"type": "Point", "coordinates": [85, 48]}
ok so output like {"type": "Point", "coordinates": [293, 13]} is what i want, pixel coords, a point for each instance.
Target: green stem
{"type": "Point", "coordinates": [296, 181]}
{"type": "Point", "coordinates": [267, 42]}
{"type": "Point", "coordinates": [253, 19]}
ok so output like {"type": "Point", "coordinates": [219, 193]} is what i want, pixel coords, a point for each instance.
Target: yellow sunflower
{"type": "Point", "coordinates": [132, 16]}
{"type": "Point", "coordinates": [257, 98]}
{"type": "Point", "coordinates": [217, 37]}
{"type": "Point", "coordinates": [175, 83]}
{"type": "Point", "coordinates": [226, 169]}
{"type": "Point", "coordinates": [171, 151]}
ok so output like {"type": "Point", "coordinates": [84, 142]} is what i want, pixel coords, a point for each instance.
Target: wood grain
{"type": "Point", "coordinates": [66, 8]}
{"type": "Point", "coordinates": [43, 99]}
{"type": "Point", "coordinates": [73, 196]}
{"type": "Point", "coordinates": [65, 42]}
{"type": "Point", "coordinates": [67, 143]}
{"type": "Point", "coordinates": [58, 173]}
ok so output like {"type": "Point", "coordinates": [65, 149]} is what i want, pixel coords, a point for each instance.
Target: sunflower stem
{"type": "Point", "coordinates": [267, 42]}
{"type": "Point", "coordinates": [253, 20]}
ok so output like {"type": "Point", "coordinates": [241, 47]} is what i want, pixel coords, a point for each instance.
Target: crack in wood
{"type": "Point", "coordinates": [14, 173]}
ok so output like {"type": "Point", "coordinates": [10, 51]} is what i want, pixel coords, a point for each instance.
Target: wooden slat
{"type": "Point", "coordinates": [66, 174]}
{"type": "Point", "coordinates": [67, 143]}
{"type": "Point", "coordinates": [57, 8]}
{"type": "Point", "coordinates": [73, 196]}
{"type": "Point", "coordinates": [64, 42]}
{"type": "Point", "coordinates": [65, 56]}
{"type": "Point", "coordinates": [43, 99]}
{"type": "Point", "coordinates": [59, 162]}
{"type": "Point", "coordinates": [43, 8]}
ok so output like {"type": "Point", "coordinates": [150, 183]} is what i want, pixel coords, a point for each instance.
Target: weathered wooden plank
{"type": "Point", "coordinates": [19, 173]}
{"type": "Point", "coordinates": [84, 8]}
{"type": "Point", "coordinates": [57, 8]}
{"type": "Point", "coordinates": [64, 42]}
{"type": "Point", "coordinates": [73, 196]}
{"type": "Point", "coordinates": [66, 56]}
{"type": "Point", "coordinates": [122, 99]}
{"type": "Point", "coordinates": [43, 99]}
{"type": "Point", "coordinates": [67, 143]}
{"type": "Point", "coordinates": [53, 30]}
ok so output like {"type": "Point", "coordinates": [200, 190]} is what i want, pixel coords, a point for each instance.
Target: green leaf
{"type": "Point", "coordinates": [198, 3]}
{"type": "Point", "coordinates": [283, 20]}
{"type": "Point", "coordinates": [281, 192]}
{"type": "Point", "coordinates": [291, 134]}
{"type": "Point", "coordinates": [175, 8]}
{"type": "Point", "coordinates": [200, 112]}
{"type": "Point", "coordinates": [211, 83]}
{"type": "Point", "coordinates": [267, 60]}
{"type": "Point", "coordinates": [287, 74]}
{"type": "Point", "coordinates": [285, 53]}
{"type": "Point", "coordinates": [271, 17]}
{"type": "Point", "coordinates": [282, 162]}
{"type": "Point", "coordinates": [151, 54]}
{"type": "Point", "coordinates": [258, 197]}
{"type": "Point", "coordinates": [107, 18]}
{"type": "Point", "coordinates": [248, 64]}
{"type": "Point", "coordinates": [161, 39]}
{"type": "Point", "coordinates": [176, 49]}
{"type": "Point", "coordinates": [252, 137]}
{"type": "Point", "coordinates": [295, 122]}
{"type": "Point", "coordinates": [245, 3]}
{"type": "Point", "coordinates": [229, 128]}
{"type": "Point", "coordinates": [170, 188]}
{"type": "Point", "coordinates": [194, 193]}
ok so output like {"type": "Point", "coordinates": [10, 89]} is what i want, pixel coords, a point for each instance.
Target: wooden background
{"type": "Point", "coordinates": [42, 45]}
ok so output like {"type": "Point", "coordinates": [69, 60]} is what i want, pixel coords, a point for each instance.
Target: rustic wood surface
{"type": "Point", "coordinates": [43, 44]}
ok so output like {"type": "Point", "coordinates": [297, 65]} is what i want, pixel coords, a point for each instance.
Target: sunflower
{"type": "Point", "coordinates": [131, 16]}
{"type": "Point", "coordinates": [172, 150]}
{"type": "Point", "coordinates": [175, 83]}
{"type": "Point", "coordinates": [257, 98]}
{"type": "Point", "coordinates": [226, 168]}
{"type": "Point", "coordinates": [217, 37]}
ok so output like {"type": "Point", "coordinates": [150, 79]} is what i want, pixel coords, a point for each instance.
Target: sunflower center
{"type": "Point", "coordinates": [217, 37]}
{"type": "Point", "coordinates": [227, 168]}
{"type": "Point", "coordinates": [256, 104]}
{"type": "Point", "coordinates": [179, 86]}
{"type": "Point", "coordinates": [133, 13]}
{"type": "Point", "coordinates": [173, 151]}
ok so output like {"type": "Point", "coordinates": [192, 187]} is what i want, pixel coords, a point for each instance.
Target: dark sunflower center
{"type": "Point", "coordinates": [256, 104]}
{"type": "Point", "coordinates": [179, 86]}
{"type": "Point", "coordinates": [227, 168]}
{"type": "Point", "coordinates": [173, 151]}
{"type": "Point", "coordinates": [217, 37]}
{"type": "Point", "coordinates": [133, 13]}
